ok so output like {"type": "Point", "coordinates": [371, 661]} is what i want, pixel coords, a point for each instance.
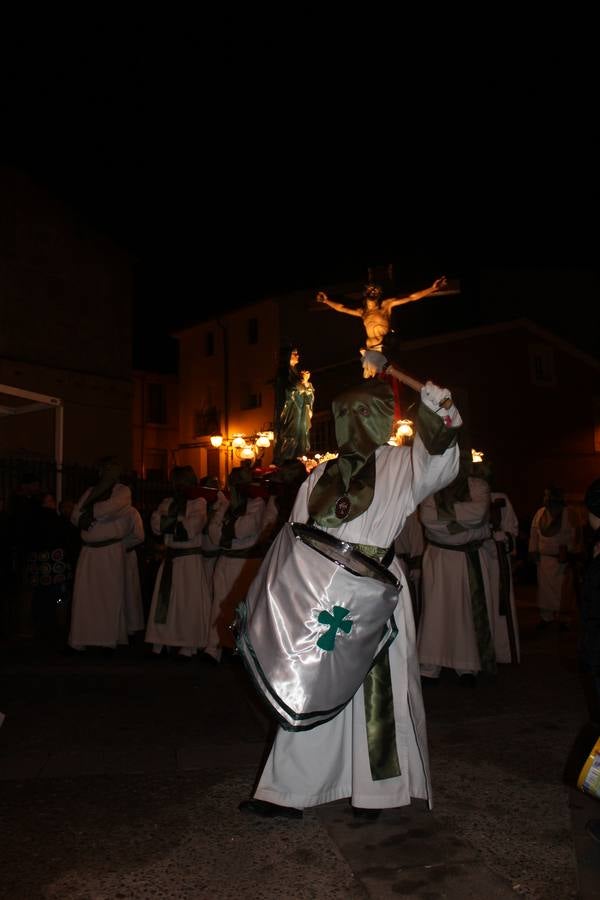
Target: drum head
{"type": "Point", "coordinates": [343, 553]}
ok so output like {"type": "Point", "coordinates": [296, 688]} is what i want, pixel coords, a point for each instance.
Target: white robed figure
{"type": "Point", "coordinates": [236, 526]}
{"type": "Point", "coordinates": [500, 548]}
{"type": "Point", "coordinates": [457, 623]}
{"type": "Point", "coordinates": [180, 610]}
{"type": "Point", "coordinates": [364, 497]}
{"type": "Point", "coordinates": [103, 513]}
{"type": "Point", "coordinates": [551, 539]}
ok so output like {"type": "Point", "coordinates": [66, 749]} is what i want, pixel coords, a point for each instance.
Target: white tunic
{"type": "Point", "coordinates": [189, 602]}
{"type": "Point", "coordinates": [332, 761]}
{"type": "Point", "coordinates": [98, 611]}
{"type": "Point", "coordinates": [550, 571]}
{"type": "Point", "coordinates": [446, 631]}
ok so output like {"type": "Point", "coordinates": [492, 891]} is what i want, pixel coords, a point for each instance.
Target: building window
{"type": "Point", "coordinates": [542, 366]}
{"type": "Point", "coordinates": [206, 421]}
{"type": "Point", "coordinates": [249, 397]}
{"type": "Point", "coordinates": [253, 331]}
{"type": "Point", "coordinates": [209, 343]}
{"type": "Point", "coordinates": [157, 405]}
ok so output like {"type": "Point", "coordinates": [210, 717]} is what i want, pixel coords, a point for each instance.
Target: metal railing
{"type": "Point", "coordinates": [146, 495]}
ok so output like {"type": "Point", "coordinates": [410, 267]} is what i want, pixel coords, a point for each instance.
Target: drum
{"type": "Point", "coordinates": [316, 618]}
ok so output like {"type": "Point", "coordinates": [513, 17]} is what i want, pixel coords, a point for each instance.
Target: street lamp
{"type": "Point", "coordinates": [244, 446]}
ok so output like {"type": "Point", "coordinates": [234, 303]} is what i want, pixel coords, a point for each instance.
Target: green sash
{"type": "Point", "coordinates": [481, 622]}
{"type": "Point", "coordinates": [379, 705]}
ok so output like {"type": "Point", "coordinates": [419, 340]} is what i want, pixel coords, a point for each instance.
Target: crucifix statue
{"type": "Point", "coordinates": [376, 314]}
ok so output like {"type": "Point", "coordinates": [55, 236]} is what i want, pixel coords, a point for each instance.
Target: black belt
{"type": "Point", "coordinates": [462, 548]}
{"type": "Point", "coordinates": [105, 543]}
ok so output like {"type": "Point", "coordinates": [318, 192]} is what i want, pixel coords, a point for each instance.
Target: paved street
{"type": "Point", "coordinates": [120, 778]}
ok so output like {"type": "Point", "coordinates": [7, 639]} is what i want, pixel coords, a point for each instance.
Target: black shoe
{"type": "Point", "coordinates": [468, 680]}
{"type": "Point", "coordinates": [269, 810]}
{"type": "Point", "coordinates": [593, 829]}
{"type": "Point", "coordinates": [361, 812]}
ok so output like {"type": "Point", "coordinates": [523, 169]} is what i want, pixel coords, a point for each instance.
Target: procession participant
{"type": "Point", "coordinates": [551, 539]}
{"type": "Point", "coordinates": [236, 527]}
{"type": "Point", "coordinates": [103, 516]}
{"type": "Point", "coordinates": [456, 627]}
{"type": "Point", "coordinates": [180, 610]}
{"type": "Point", "coordinates": [375, 749]}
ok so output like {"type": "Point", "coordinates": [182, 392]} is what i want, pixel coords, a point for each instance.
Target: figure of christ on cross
{"type": "Point", "coordinates": [376, 316]}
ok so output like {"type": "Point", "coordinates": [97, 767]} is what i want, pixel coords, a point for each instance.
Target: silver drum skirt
{"type": "Point", "coordinates": [315, 619]}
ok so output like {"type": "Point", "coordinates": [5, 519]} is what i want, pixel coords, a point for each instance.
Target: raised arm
{"type": "Point", "coordinates": [438, 285]}
{"type": "Point", "coordinates": [339, 307]}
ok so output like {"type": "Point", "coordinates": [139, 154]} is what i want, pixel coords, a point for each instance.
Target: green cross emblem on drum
{"type": "Point", "coordinates": [337, 622]}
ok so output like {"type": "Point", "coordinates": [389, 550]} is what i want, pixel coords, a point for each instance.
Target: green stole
{"type": "Point", "coordinates": [379, 705]}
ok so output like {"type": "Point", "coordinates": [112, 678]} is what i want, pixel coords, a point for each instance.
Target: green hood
{"type": "Point", "coordinates": [364, 416]}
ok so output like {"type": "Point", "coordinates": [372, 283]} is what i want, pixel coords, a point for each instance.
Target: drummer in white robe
{"type": "Point", "coordinates": [365, 498]}
{"type": "Point", "coordinates": [180, 610]}
{"type": "Point", "coordinates": [103, 514]}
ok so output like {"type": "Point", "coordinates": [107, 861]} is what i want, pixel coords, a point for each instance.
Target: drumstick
{"type": "Point", "coordinates": [404, 378]}
{"type": "Point", "coordinates": [413, 383]}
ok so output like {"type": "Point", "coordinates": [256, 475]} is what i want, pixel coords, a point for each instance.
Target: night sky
{"type": "Point", "coordinates": [225, 188]}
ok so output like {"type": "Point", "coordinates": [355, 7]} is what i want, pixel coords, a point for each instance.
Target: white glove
{"type": "Point", "coordinates": [433, 397]}
{"type": "Point", "coordinates": [373, 362]}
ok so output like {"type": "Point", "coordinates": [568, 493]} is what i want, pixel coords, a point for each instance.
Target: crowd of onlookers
{"type": "Point", "coordinates": [95, 571]}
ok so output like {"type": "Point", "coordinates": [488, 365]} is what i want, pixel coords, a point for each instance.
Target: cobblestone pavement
{"type": "Point", "coordinates": [120, 778]}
